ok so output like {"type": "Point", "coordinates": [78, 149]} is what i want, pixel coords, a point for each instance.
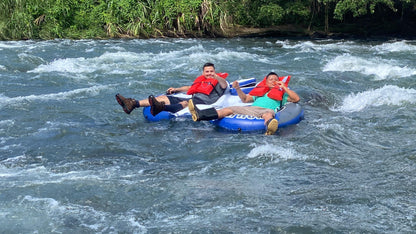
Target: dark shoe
{"type": "Point", "coordinates": [204, 114]}
{"type": "Point", "coordinates": [128, 104]}
{"type": "Point", "coordinates": [155, 106]}
{"type": "Point", "coordinates": [272, 126]}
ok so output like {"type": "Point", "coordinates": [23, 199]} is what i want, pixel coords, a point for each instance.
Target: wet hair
{"type": "Point", "coordinates": [272, 73]}
{"type": "Point", "coordinates": [208, 65]}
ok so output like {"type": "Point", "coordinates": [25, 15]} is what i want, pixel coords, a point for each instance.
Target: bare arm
{"type": "Point", "coordinates": [221, 80]}
{"type": "Point", "coordinates": [177, 90]}
{"type": "Point", "coordinates": [244, 97]}
{"type": "Point", "coordinates": [293, 96]}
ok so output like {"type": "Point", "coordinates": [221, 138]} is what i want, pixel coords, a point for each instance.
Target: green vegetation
{"type": "Point", "coordinates": [47, 19]}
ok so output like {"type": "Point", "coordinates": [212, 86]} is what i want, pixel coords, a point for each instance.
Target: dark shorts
{"type": "Point", "coordinates": [176, 100]}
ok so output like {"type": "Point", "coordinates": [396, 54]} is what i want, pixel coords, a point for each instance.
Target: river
{"type": "Point", "coordinates": [71, 161]}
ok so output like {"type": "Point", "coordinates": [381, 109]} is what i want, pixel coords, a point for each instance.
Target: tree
{"type": "Point", "coordinates": [360, 7]}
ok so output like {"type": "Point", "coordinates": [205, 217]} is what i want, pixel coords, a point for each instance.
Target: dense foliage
{"type": "Point", "coordinates": [46, 19]}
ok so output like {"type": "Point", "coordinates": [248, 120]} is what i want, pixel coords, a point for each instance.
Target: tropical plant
{"type": "Point", "coordinates": [24, 19]}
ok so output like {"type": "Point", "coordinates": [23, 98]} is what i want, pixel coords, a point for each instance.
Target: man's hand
{"type": "Point", "coordinates": [281, 84]}
{"type": "Point", "coordinates": [236, 85]}
{"type": "Point", "coordinates": [171, 90]}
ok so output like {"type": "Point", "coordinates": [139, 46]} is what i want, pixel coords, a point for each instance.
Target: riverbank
{"type": "Point", "coordinates": [363, 29]}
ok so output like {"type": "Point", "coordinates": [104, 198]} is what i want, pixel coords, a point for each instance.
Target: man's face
{"type": "Point", "coordinates": [271, 81]}
{"type": "Point", "coordinates": [209, 72]}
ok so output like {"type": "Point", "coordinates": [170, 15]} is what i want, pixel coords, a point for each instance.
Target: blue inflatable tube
{"type": "Point", "coordinates": [164, 115]}
{"type": "Point", "coordinates": [245, 84]}
{"type": "Point", "coordinates": [291, 113]}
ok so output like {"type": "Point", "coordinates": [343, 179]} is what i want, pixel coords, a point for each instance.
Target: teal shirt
{"type": "Point", "coordinates": [269, 103]}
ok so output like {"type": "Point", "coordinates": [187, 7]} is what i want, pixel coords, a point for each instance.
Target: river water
{"type": "Point", "coordinates": [71, 161]}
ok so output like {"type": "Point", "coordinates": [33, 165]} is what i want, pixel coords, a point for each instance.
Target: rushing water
{"type": "Point", "coordinates": [71, 161]}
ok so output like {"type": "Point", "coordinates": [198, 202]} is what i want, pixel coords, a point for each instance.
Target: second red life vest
{"type": "Point", "coordinates": [275, 93]}
{"type": "Point", "coordinates": [205, 85]}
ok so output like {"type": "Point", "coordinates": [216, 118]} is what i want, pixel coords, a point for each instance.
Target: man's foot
{"type": "Point", "coordinates": [272, 126]}
{"type": "Point", "coordinates": [155, 106]}
{"type": "Point", "coordinates": [193, 110]}
{"type": "Point", "coordinates": [128, 104]}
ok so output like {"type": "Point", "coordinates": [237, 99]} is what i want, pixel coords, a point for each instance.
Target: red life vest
{"type": "Point", "coordinates": [275, 93]}
{"type": "Point", "coordinates": [205, 85]}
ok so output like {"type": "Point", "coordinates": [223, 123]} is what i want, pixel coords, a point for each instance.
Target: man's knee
{"type": "Point", "coordinates": [184, 103]}
{"type": "Point", "coordinates": [268, 115]}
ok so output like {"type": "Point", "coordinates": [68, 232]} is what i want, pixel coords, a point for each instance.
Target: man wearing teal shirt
{"type": "Point", "coordinates": [262, 107]}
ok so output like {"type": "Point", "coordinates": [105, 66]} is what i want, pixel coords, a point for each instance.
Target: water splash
{"type": "Point", "coordinates": [122, 62]}
{"type": "Point", "coordinates": [387, 95]}
{"type": "Point", "coordinates": [274, 152]}
{"type": "Point", "coordinates": [395, 46]}
{"type": "Point", "coordinates": [91, 91]}
{"type": "Point", "coordinates": [107, 62]}
{"type": "Point", "coordinates": [78, 217]}
{"type": "Point", "coordinates": [381, 69]}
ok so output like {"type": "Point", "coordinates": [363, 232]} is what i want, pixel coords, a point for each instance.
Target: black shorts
{"type": "Point", "coordinates": [176, 100]}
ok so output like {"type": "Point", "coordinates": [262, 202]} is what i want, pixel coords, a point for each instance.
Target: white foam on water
{"type": "Point", "coordinates": [70, 65]}
{"type": "Point", "coordinates": [282, 43]}
{"type": "Point", "coordinates": [10, 44]}
{"type": "Point", "coordinates": [324, 45]}
{"type": "Point", "coordinates": [52, 129]}
{"type": "Point", "coordinates": [395, 46]}
{"type": "Point", "coordinates": [275, 153]}
{"type": "Point", "coordinates": [8, 147]}
{"type": "Point", "coordinates": [349, 46]}
{"type": "Point", "coordinates": [26, 57]}
{"type": "Point", "coordinates": [6, 122]}
{"type": "Point", "coordinates": [306, 46]}
{"type": "Point", "coordinates": [278, 153]}
{"type": "Point", "coordinates": [381, 69]}
{"type": "Point", "coordinates": [199, 54]}
{"type": "Point", "coordinates": [120, 62]}
{"type": "Point", "coordinates": [11, 170]}
{"type": "Point", "coordinates": [125, 62]}
{"type": "Point", "coordinates": [90, 91]}
{"type": "Point", "coordinates": [13, 160]}
{"type": "Point", "coordinates": [5, 126]}
{"type": "Point", "coordinates": [109, 62]}
{"type": "Point", "coordinates": [388, 95]}
{"type": "Point", "coordinates": [16, 172]}
{"type": "Point", "coordinates": [56, 212]}
{"type": "Point", "coordinates": [329, 126]}
{"type": "Point", "coordinates": [16, 176]}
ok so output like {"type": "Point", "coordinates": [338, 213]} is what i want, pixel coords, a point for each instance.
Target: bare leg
{"type": "Point", "coordinates": [162, 98]}
{"type": "Point", "coordinates": [224, 112]}
{"type": "Point", "coordinates": [270, 122]}
{"type": "Point", "coordinates": [267, 116]}
{"type": "Point", "coordinates": [184, 103]}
